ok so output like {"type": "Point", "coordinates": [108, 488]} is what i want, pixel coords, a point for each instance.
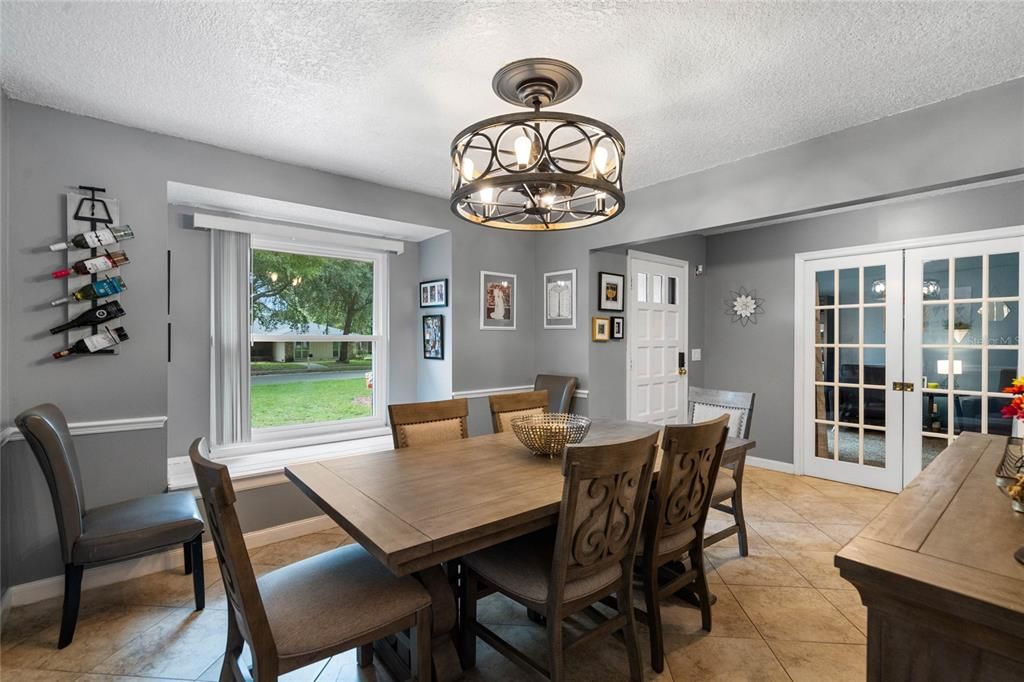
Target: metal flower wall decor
{"type": "Point", "coordinates": [744, 306]}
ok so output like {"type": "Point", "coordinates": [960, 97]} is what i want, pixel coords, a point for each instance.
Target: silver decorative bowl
{"type": "Point", "coordinates": [547, 434]}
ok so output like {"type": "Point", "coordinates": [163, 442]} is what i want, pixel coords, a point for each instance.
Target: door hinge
{"type": "Point", "coordinates": [905, 386]}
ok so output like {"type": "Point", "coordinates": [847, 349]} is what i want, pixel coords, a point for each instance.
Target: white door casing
{"type": "Point", "coordinates": [656, 333]}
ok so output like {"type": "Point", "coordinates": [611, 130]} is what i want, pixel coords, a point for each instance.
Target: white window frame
{"type": "Point", "coordinates": [300, 435]}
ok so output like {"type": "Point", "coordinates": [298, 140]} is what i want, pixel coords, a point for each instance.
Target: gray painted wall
{"type": "Point", "coordinates": [759, 357]}
{"type": "Point", "coordinates": [434, 377]}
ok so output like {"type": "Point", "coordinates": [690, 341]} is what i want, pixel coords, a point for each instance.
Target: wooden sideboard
{"type": "Point", "coordinates": [935, 569]}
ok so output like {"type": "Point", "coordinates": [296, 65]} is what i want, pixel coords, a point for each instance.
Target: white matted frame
{"type": "Point", "coordinates": [554, 280]}
{"type": "Point", "coordinates": [495, 320]}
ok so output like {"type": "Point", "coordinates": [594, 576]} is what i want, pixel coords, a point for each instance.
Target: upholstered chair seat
{"type": "Point", "coordinates": [417, 424]}
{"type": "Point", "coordinates": [725, 486]}
{"type": "Point", "coordinates": [135, 527]}
{"type": "Point", "coordinates": [523, 567]}
{"type": "Point", "coordinates": [304, 601]}
{"type": "Point", "coordinates": [672, 543]}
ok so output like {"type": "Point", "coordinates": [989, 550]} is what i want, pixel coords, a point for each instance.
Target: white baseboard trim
{"type": "Point", "coordinates": [772, 464]}
{"type": "Point", "coordinates": [46, 588]}
{"type": "Point", "coordinates": [99, 426]}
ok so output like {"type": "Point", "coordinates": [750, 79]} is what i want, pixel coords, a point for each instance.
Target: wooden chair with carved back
{"type": "Point", "coordinates": [708, 403]}
{"type": "Point", "coordinates": [674, 524]}
{"type": "Point", "coordinates": [414, 424]}
{"type": "Point", "coordinates": [507, 406]}
{"type": "Point", "coordinates": [564, 571]}
{"type": "Point", "coordinates": [310, 610]}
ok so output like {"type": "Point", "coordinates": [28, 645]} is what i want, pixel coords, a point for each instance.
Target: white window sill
{"type": "Point", "coordinates": [266, 466]}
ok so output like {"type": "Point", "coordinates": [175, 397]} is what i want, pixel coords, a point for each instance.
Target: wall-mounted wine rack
{"type": "Point", "coordinates": [95, 211]}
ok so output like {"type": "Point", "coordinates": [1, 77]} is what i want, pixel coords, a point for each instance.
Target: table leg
{"type": "Point", "coordinates": [445, 616]}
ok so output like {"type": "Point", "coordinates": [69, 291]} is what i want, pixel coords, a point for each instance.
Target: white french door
{"type": "Point", "coordinates": [963, 342]}
{"type": "Point", "coordinates": [852, 412]}
{"type": "Point", "coordinates": [656, 311]}
{"type": "Point", "coordinates": [905, 349]}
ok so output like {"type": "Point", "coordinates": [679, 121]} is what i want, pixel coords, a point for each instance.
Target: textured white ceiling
{"type": "Point", "coordinates": [377, 90]}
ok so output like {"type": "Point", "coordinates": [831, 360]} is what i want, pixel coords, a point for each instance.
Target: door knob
{"type": "Point", "coordinates": [681, 371]}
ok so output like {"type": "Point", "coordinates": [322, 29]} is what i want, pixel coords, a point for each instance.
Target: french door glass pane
{"type": "Point", "coordinates": [825, 326]}
{"type": "Point", "coordinates": [935, 412]}
{"type": "Point", "coordinates": [641, 287]}
{"type": "Point", "coordinates": [849, 325]}
{"type": "Point", "coordinates": [824, 403]}
{"type": "Point", "coordinates": [849, 444]}
{"type": "Point", "coordinates": [874, 367]}
{"type": "Point", "coordinates": [997, 423]}
{"type": "Point", "coordinates": [930, 449]}
{"type": "Point", "coordinates": [967, 324]}
{"type": "Point", "coordinates": [967, 413]}
{"type": "Point", "coordinates": [825, 283]}
{"type": "Point", "coordinates": [656, 284]}
{"type": "Point", "coordinates": [849, 405]}
{"type": "Point", "coordinates": [824, 440]}
{"type": "Point", "coordinates": [968, 277]}
{"type": "Point", "coordinates": [874, 284]}
{"type": "Point", "coordinates": [966, 369]}
{"type": "Point", "coordinates": [874, 448]}
{"type": "Point", "coordinates": [849, 286]}
{"type": "Point", "coordinates": [1003, 274]}
{"type": "Point", "coordinates": [936, 280]}
{"type": "Point", "coordinates": [874, 325]}
{"type": "Point", "coordinates": [874, 407]}
{"type": "Point", "coordinates": [1003, 323]}
{"type": "Point", "coordinates": [936, 323]}
{"type": "Point", "coordinates": [935, 367]}
{"type": "Point", "coordinates": [1002, 368]}
{"type": "Point", "coordinates": [849, 365]}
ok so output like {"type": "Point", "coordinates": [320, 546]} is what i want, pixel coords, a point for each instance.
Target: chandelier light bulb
{"type": "Point", "coordinates": [600, 200]}
{"type": "Point", "coordinates": [487, 195]}
{"type": "Point", "coordinates": [601, 160]}
{"type": "Point", "coordinates": [467, 169]}
{"type": "Point", "coordinates": [524, 151]}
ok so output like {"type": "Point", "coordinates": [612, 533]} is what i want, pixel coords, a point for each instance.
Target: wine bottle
{"type": "Point", "coordinates": [104, 236]}
{"type": "Point", "coordinates": [111, 310]}
{"type": "Point", "coordinates": [90, 266]}
{"type": "Point", "coordinates": [95, 343]}
{"type": "Point", "coordinates": [94, 291]}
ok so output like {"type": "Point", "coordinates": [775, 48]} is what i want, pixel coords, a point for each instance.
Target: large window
{"type": "Point", "coordinates": [316, 354]}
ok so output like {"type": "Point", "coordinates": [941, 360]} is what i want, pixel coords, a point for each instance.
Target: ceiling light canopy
{"type": "Point", "coordinates": [537, 170]}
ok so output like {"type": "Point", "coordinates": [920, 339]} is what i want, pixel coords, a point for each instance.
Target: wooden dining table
{"type": "Point", "coordinates": [416, 508]}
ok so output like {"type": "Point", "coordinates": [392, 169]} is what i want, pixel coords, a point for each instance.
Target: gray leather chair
{"type": "Point", "coordinates": [110, 533]}
{"type": "Point", "coordinates": [560, 391]}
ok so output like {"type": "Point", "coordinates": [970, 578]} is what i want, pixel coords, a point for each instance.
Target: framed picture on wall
{"type": "Point", "coordinates": [560, 299]}
{"type": "Point", "coordinates": [618, 327]}
{"type": "Point", "coordinates": [433, 337]}
{"type": "Point", "coordinates": [434, 294]}
{"type": "Point", "coordinates": [498, 301]}
{"type": "Point", "coordinates": [611, 291]}
{"type": "Point", "coordinates": [600, 329]}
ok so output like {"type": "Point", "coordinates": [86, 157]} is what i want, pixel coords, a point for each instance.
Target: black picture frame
{"type": "Point", "coordinates": [433, 337]}
{"type": "Point", "coordinates": [434, 293]}
{"type": "Point", "coordinates": [618, 327]}
{"type": "Point", "coordinates": [611, 291]}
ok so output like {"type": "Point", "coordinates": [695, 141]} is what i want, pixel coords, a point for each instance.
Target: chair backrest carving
{"type": "Point", "coordinates": [561, 390]}
{"type": "Point", "coordinates": [708, 403]}
{"type": "Point", "coordinates": [603, 500]}
{"type": "Point", "coordinates": [690, 460]}
{"type": "Point", "coordinates": [507, 406]}
{"type": "Point", "coordinates": [46, 431]}
{"type": "Point", "coordinates": [235, 567]}
{"type": "Point", "coordinates": [415, 424]}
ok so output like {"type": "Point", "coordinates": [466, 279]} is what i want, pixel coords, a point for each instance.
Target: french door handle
{"type": "Point", "coordinates": [904, 386]}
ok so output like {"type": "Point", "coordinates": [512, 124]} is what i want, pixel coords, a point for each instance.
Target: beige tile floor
{"type": "Point", "coordinates": [782, 613]}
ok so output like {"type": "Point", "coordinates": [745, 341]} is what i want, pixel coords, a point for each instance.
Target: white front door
{"type": "Point", "coordinates": [852, 340]}
{"type": "Point", "coordinates": [656, 333]}
{"type": "Point", "coordinates": [964, 329]}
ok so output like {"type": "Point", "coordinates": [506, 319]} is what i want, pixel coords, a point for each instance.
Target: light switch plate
{"type": "Point", "coordinates": [695, 354]}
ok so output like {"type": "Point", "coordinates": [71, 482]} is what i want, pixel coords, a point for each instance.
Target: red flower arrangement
{"type": "Point", "coordinates": [1015, 410]}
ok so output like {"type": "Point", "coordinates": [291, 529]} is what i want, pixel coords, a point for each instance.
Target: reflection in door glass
{"type": "Point", "coordinates": [935, 286]}
{"type": "Point", "coordinates": [656, 284]}
{"type": "Point", "coordinates": [874, 325]}
{"type": "Point", "coordinates": [967, 413]}
{"type": "Point", "coordinates": [935, 412]}
{"type": "Point", "coordinates": [935, 323]}
{"type": "Point", "coordinates": [825, 325]}
{"type": "Point", "coordinates": [966, 369]}
{"type": "Point", "coordinates": [1003, 328]}
{"type": "Point", "coordinates": [849, 325]}
{"type": "Point", "coordinates": [825, 283]}
{"type": "Point", "coordinates": [935, 367]}
{"type": "Point", "coordinates": [874, 367]}
{"type": "Point", "coordinates": [874, 407]}
{"type": "Point", "coordinates": [849, 405]}
{"type": "Point", "coordinates": [1002, 368]}
{"type": "Point", "coordinates": [998, 424]}
{"type": "Point", "coordinates": [874, 284]}
{"type": "Point", "coordinates": [849, 365]}
{"type": "Point", "coordinates": [824, 441]}
{"type": "Point", "coordinates": [824, 402]}
{"type": "Point", "coordinates": [641, 287]}
{"type": "Point", "coordinates": [874, 448]}
{"type": "Point", "coordinates": [849, 286]}
{"type": "Point", "coordinates": [849, 444]}
{"type": "Point", "coordinates": [930, 449]}
{"type": "Point", "coordinates": [967, 324]}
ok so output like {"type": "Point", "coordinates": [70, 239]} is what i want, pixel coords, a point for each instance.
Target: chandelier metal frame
{"type": "Point", "coordinates": [538, 170]}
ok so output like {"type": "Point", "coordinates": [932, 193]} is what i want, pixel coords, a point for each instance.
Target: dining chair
{"type": "Point", "coordinates": [561, 390]}
{"type": "Point", "coordinates": [708, 403]}
{"type": "Point", "coordinates": [564, 571]}
{"type": "Point", "coordinates": [112, 532]}
{"type": "Point", "coordinates": [674, 524]}
{"type": "Point", "coordinates": [507, 406]}
{"type": "Point", "coordinates": [414, 424]}
{"type": "Point", "coordinates": [310, 610]}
